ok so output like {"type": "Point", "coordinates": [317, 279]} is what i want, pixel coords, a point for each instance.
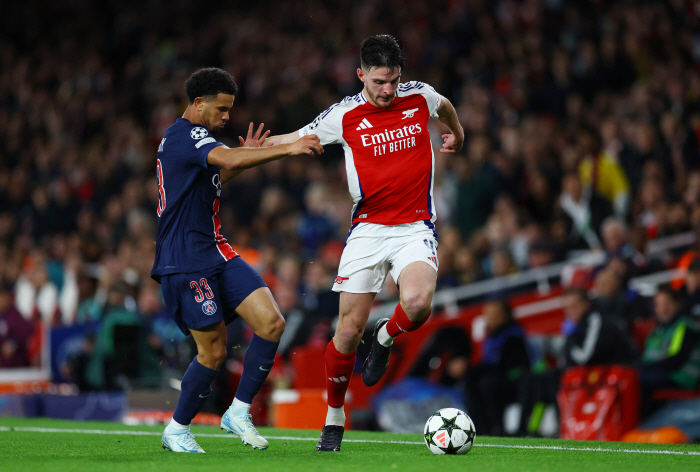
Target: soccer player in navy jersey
{"type": "Point", "coordinates": [205, 283]}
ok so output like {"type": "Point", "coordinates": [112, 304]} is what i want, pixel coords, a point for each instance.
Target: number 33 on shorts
{"type": "Point", "coordinates": [198, 287]}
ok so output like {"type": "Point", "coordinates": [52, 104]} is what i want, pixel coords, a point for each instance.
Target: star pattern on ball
{"type": "Point", "coordinates": [448, 424]}
{"type": "Point", "coordinates": [450, 449]}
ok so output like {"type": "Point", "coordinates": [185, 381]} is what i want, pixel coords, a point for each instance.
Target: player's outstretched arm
{"type": "Point", "coordinates": [244, 158]}
{"type": "Point", "coordinates": [281, 139]}
{"type": "Point", "coordinates": [252, 140]}
{"type": "Point", "coordinates": [448, 116]}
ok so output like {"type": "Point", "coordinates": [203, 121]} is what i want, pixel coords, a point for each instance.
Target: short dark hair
{"type": "Point", "coordinates": [209, 82]}
{"type": "Point", "coordinates": [668, 290]}
{"type": "Point", "coordinates": [578, 292]}
{"type": "Point", "coordinates": [504, 306]}
{"type": "Point", "coordinates": [381, 50]}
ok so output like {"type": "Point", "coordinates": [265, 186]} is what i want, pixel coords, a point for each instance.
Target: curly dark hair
{"type": "Point", "coordinates": [381, 50]}
{"type": "Point", "coordinates": [209, 83]}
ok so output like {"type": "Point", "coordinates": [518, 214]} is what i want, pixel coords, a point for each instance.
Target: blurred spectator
{"type": "Point", "coordinates": [162, 333]}
{"type": "Point", "coordinates": [591, 339]}
{"type": "Point", "coordinates": [671, 357]}
{"type": "Point", "coordinates": [14, 331]}
{"type": "Point", "coordinates": [318, 297]}
{"type": "Point", "coordinates": [122, 353]}
{"type": "Point", "coordinates": [608, 298]}
{"type": "Point", "coordinates": [542, 253]}
{"type": "Point", "coordinates": [445, 359]}
{"type": "Point", "coordinates": [36, 296]}
{"type": "Point", "coordinates": [506, 356]}
{"type": "Point", "coordinates": [601, 171]}
{"type": "Point", "coordinates": [501, 262]}
{"type": "Point", "coordinates": [478, 186]}
{"type": "Point", "coordinates": [687, 258]}
{"type": "Point", "coordinates": [628, 261]}
{"type": "Point", "coordinates": [691, 290]}
{"type": "Point", "coordinates": [301, 327]}
{"type": "Point", "coordinates": [651, 206]}
{"type": "Point", "coordinates": [584, 211]}
{"type": "Point", "coordinates": [315, 228]}
{"type": "Point", "coordinates": [81, 370]}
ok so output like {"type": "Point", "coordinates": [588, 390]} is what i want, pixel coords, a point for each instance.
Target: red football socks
{"type": "Point", "coordinates": [339, 369]}
{"type": "Point", "coordinates": [399, 322]}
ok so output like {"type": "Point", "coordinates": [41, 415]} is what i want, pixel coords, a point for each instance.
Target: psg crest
{"type": "Point", "coordinates": [209, 307]}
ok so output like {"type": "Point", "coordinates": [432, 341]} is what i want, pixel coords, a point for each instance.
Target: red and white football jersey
{"type": "Point", "coordinates": [388, 155]}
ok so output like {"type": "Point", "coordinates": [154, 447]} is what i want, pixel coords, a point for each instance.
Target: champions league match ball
{"type": "Point", "coordinates": [449, 431]}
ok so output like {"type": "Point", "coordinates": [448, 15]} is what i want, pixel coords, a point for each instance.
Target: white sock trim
{"type": "Point", "coordinates": [383, 336]}
{"type": "Point", "coordinates": [239, 406]}
{"type": "Point", "coordinates": [174, 425]}
{"type": "Point", "coordinates": [335, 416]}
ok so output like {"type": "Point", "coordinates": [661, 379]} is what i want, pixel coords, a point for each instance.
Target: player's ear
{"type": "Point", "coordinates": [361, 74]}
{"type": "Point", "coordinates": [199, 103]}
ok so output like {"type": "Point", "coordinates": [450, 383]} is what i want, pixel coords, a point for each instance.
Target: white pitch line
{"type": "Point", "coordinates": [292, 438]}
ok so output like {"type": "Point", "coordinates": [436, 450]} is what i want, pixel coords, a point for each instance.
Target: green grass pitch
{"type": "Point", "coordinates": [55, 445]}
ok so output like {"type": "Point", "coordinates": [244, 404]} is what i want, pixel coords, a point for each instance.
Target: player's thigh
{"type": "Point", "coordinates": [363, 265]}
{"type": "Point", "coordinates": [418, 276]}
{"type": "Point", "coordinates": [414, 266]}
{"type": "Point", "coordinates": [245, 294]}
{"type": "Point", "coordinates": [238, 280]}
{"type": "Point", "coordinates": [419, 244]}
{"type": "Point", "coordinates": [260, 311]}
{"type": "Point", "coordinates": [193, 300]}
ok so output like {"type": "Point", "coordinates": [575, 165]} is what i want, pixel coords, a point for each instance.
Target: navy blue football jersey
{"type": "Point", "coordinates": [189, 229]}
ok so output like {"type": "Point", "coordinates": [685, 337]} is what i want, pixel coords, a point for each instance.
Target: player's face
{"type": "Point", "coordinates": [380, 84]}
{"type": "Point", "coordinates": [214, 113]}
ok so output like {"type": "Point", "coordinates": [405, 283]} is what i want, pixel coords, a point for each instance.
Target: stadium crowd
{"type": "Point", "coordinates": [582, 122]}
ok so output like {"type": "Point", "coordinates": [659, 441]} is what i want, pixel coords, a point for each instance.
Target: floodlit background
{"type": "Point", "coordinates": [581, 159]}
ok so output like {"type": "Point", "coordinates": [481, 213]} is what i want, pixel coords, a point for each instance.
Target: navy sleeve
{"type": "Point", "coordinates": [197, 145]}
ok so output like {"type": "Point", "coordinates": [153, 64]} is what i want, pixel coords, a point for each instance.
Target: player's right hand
{"type": "Point", "coordinates": [307, 145]}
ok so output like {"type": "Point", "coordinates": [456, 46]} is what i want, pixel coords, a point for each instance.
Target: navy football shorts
{"type": "Point", "coordinates": [203, 298]}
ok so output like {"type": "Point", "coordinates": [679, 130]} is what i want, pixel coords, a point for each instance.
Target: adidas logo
{"type": "Point", "coordinates": [364, 124]}
{"type": "Point", "coordinates": [338, 380]}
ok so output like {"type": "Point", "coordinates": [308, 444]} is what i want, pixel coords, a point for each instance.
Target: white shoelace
{"type": "Point", "coordinates": [187, 440]}
{"type": "Point", "coordinates": [248, 420]}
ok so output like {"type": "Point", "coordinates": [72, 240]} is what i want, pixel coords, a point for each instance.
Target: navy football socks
{"type": "Point", "coordinates": [194, 390]}
{"type": "Point", "coordinates": [257, 363]}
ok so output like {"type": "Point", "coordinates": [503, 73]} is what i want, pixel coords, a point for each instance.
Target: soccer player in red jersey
{"type": "Point", "coordinates": [390, 167]}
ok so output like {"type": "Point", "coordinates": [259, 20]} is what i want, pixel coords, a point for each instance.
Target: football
{"type": "Point", "coordinates": [449, 431]}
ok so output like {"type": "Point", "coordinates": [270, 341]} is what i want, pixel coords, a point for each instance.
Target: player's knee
{"type": "Point", "coordinates": [349, 337]}
{"type": "Point", "coordinates": [213, 357]}
{"type": "Point", "coordinates": [277, 327]}
{"type": "Point", "coordinates": [219, 354]}
{"type": "Point", "coordinates": [416, 304]}
{"type": "Point", "coordinates": [273, 330]}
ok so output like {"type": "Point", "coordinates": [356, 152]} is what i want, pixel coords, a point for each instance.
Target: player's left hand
{"type": "Point", "coordinates": [254, 140]}
{"type": "Point", "coordinates": [451, 143]}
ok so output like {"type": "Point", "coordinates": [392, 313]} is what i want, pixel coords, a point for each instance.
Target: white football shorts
{"type": "Point", "coordinates": [373, 250]}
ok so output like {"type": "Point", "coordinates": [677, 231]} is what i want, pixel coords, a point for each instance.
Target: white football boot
{"type": "Point", "coordinates": [181, 442]}
{"type": "Point", "coordinates": [243, 427]}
